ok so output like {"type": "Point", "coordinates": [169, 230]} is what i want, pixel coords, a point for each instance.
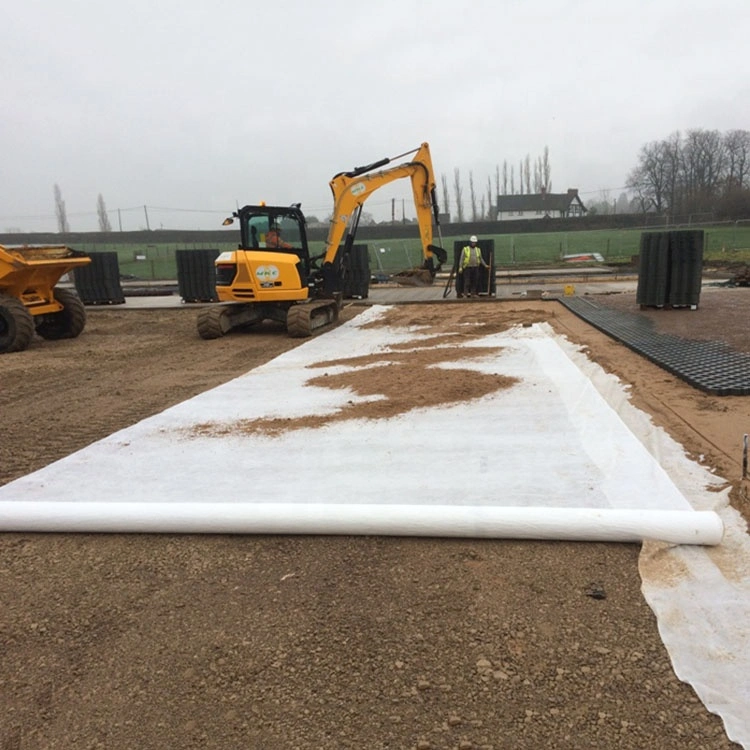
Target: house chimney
{"type": "Point", "coordinates": [572, 192]}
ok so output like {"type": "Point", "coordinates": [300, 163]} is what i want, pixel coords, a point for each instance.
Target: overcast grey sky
{"type": "Point", "coordinates": [201, 106]}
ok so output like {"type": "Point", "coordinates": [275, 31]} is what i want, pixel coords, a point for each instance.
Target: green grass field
{"type": "Point", "coordinates": [722, 243]}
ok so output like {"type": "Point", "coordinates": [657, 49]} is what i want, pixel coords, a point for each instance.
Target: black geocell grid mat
{"type": "Point", "coordinates": [710, 366]}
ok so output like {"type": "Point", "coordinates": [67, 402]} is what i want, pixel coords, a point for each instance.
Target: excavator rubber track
{"type": "Point", "coordinates": [308, 318]}
{"type": "Point", "coordinates": [214, 322]}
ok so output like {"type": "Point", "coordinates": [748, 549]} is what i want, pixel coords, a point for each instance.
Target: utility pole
{"type": "Point", "coordinates": [145, 211]}
{"type": "Point", "coordinates": [393, 210]}
{"type": "Point", "coordinates": [119, 218]}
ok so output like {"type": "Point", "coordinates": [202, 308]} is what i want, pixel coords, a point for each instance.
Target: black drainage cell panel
{"type": "Point", "coordinates": [99, 282]}
{"type": "Point", "coordinates": [196, 274]}
{"type": "Point", "coordinates": [710, 366]}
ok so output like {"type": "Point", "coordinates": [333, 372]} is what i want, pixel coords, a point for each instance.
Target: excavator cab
{"type": "Point", "coordinates": [268, 227]}
{"type": "Point", "coordinates": [276, 229]}
{"type": "Point", "coordinates": [270, 276]}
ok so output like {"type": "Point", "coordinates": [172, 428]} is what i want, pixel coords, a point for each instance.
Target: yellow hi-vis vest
{"type": "Point", "coordinates": [466, 257]}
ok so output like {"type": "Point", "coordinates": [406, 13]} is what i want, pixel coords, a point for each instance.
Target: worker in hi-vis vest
{"type": "Point", "coordinates": [469, 263]}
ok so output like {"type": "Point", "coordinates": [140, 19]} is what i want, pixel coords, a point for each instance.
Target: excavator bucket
{"type": "Point", "coordinates": [423, 275]}
{"type": "Point", "coordinates": [414, 277]}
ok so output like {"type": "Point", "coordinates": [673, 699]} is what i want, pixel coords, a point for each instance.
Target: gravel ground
{"type": "Point", "coordinates": [153, 641]}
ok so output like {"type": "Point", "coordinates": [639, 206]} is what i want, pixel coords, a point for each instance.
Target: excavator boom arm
{"type": "Point", "coordinates": [351, 190]}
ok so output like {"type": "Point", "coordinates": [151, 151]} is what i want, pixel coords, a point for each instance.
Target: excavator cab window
{"type": "Point", "coordinates": [282, 233]}
{"type": "Point", "coordinates": [257, 227]}
{"type": "Point", "coordinates": [278, 229]}
{"type": "Point", "coordinates": [263, 231]}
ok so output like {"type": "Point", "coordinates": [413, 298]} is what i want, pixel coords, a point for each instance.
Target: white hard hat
{"type": "Point", "coordinates": [473, 238]}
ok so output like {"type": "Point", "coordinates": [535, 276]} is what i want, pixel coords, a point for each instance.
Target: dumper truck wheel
{"type": "Point", "coordinates": [16, 325]}
{"type": "Point", "coordinates": [66, 324]}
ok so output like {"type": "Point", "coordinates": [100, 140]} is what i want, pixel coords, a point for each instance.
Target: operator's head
{"type": "Point", "coordinates": [473, 239]}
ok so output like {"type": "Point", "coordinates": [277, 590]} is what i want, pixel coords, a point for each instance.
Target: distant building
{"type": "Point", "coordinates": [540, 206]}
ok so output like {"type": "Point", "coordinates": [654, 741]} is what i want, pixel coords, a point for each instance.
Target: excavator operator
{"type": "Point", "coordinates": [273, 237]}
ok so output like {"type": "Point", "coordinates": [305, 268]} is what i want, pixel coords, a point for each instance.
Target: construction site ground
{"type": "Point", "coordinates": [275, 642]}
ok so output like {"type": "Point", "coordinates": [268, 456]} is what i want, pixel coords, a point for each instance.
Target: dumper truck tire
{"type": "Point", "coordinates": [66, 324]}
{"type": "Point", "coordinates": [16, 325]}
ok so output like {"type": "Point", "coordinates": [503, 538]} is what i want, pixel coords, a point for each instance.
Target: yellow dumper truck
{"type": "Point", "coordinates": [29, 299]}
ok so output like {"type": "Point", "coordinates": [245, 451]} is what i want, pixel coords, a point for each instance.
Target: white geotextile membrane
{"type": "Point", "coordinates": [560, 451]}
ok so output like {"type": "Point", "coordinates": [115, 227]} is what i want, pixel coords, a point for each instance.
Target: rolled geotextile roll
{"type": "Point", "coordinates": [489, 522]}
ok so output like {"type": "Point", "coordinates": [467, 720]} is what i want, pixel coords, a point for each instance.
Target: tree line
{"type": "Point", "coordinates": [702, 171]}
{"type": "Point", "coordinates": [532, 177]}
{"type": "Point", "coordinates": [698, 172]}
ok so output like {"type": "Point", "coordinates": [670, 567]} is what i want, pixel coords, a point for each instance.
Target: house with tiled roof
{"type": "Point", "coordinates": [540, 205]}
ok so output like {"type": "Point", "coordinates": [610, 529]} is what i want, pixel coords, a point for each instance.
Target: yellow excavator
{"type": "Point", "coordinates": [272, 276]}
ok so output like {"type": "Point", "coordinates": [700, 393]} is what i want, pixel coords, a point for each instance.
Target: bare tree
{"type": "Point", "coordinates": [703, 159]}
{"type": "Point", "coordinates": [446, 198]}
{"type": "Point", "coordinates": [602, 205]}
{"type": "Point", "coordinates": [692, 174]}
{"type": "Point", "coordinates": [101, 211]}
{"type": "Point", "coordinates": [735, 201]}
{"type": "Point", "coordinates": [650, 179]}
{"type": "Point", "coordinates": [458, 193]}
{"type": "Point", "coordinates": [62, 217]}
{"type": "Point", "coordinates": [488, 214]}
{"type": "Point", "coordinates": [737, 144]}
{"type": "Point", "coordinates": [512, 182]}
{"type": "Point", "coordinates": [542, 172]}
{"type": "Point", "coordinates": [670, 149]}
{"type": "Point", "coordinates": [473, 197]}
{"type": "Point", "coordinates": [546, 170]}
{"type": "Point", "coordinates": [505, 177]}
{"type": "Point", "coordinates": [527, 173]}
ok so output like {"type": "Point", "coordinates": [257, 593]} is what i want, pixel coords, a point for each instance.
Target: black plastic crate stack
{"type": "Point", "coordinates": [98, 283]}
{"type": "Point", "coordinates": [356, 272]}
{"type": "Point", "coordinates": [653, 269]}
{"type": "Point", "coordinates": [196, 274]}
{"type": "Point", "coordinates": [488, 283]}
{"type": "Point", "coordinates": [686, 254]}
{"type": "Point", "coordinates": [670, 267]}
